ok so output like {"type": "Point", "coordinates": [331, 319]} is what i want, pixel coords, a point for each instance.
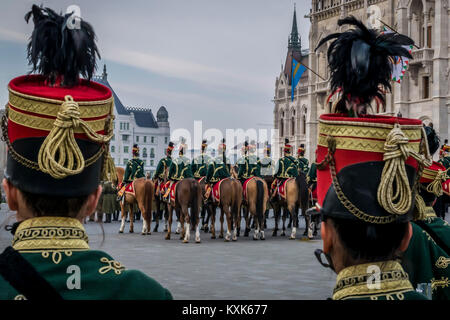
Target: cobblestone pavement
{"type": "Point", "coordinates": [276, 268]}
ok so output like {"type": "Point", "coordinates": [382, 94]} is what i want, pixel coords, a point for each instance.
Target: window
{"type": "Point", "coordinates": [165, 140]}
{"type": "Point", "coordinates": [121, 126]}
{"type": "Point", "coordinates": [152, 163]}
{"type": "Point", "coordinates": [125, 161]}
{"type": "Point", "coordinates": [281, 128]}
{"type": "Point", "coordinates": [137, 138]}
{"type": "Point", "coordinates": [145, 139]}
{"type": "Point", "coordinates": [125, 149]}
{"type": "Point", "coordinates": [293, 126]}
{"type": "Point", "coordinates": [144, 153]}
{"type": "Point", "coordinates": [113, 137]}
{"type": "Point", "coordinates": [304, 125]}
{"type": "Point", "coordinates": [153, 139]}
{"type": "Point", "coordinates": [429, 36]}
{"type": "Point", "coordinates": [125, 137]}
{"type": "Point", "coordinates": [425, 87]}
{"type": "Point", "coordinates": [152, 153]}
{"type": "Point", "coordinates": [113, 149]}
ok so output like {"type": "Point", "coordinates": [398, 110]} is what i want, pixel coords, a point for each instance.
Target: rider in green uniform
{"type": "Point", "coordinates": [134, 170]}
{"type": "Point", "coordinates": [200, 164]}
{"type": "Point", "coordinates": [179, 169]}
{"type": "Point", "coordinates": [250, 166]}
{"type": "Point", "coordinates": [50, 258]}
{"type": "Point", "coordinates": [164, 163]}
{"type": "Point", "coordinates": [218, 168]}
{"type": "Point", "coordinates": [302, 162]}
{"type": "Point", "coordinates": [266, 164]}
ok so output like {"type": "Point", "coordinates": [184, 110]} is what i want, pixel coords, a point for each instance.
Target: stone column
{"type": "Point", "coordinates": [440, 84]}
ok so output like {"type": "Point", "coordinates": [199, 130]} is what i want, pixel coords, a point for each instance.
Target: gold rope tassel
{"type": "Point", "coordinates": [60, 143]}
{"type": "Point", "coordinates": [420, 213]}
{"type": "Point", "coordinates": [435, 187]}
{"type": "Point", "coordinates": [394, 192]}
{"type": "Point", "coordinates": [109, 170]}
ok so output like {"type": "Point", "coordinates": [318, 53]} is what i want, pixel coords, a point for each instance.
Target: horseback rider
{"type": "Point", "coordinates": [56, 159]}
{"type": "Point", "coordinates": [286, 168]}
{"type": "Point", "coordinates": [430, 244]}
{"type": "Point", "coordinates": [179, 169]}
{"type": "Point", "coordinates": [266, 164]}
{"type": "Point", "coordinates": [161, 168]}
{"type": "Point", "coordinates": [444, 156]}
{"type": "Point", "coordinates": [218, 169]}
{"type": "Point", "coordinates": [249, 166]}
{"type": "Point", "coordinates": [302, 162]}
{"type": "Point", "coordinates": [367, 169]}
{"type": "Point", "coordinates": [200, 163]}
{"type": "Point", "coordinates": [134, 170]}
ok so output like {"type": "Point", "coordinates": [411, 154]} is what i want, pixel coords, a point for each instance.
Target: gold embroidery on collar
{"type": "Point", "coordinates": [353, 281]}
{"type": "Point", "coordinates": [443, 262]}
{"type": "Point", "coordinates": [20, 297]}
{"type": "Point", "coordinates": [50, 234]}
{"type": "Point", "coordinates": [112, 265]}
{"type": "Point", "coordinates": [443, 282]}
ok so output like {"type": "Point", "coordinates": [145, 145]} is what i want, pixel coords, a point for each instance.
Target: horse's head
{"type": "Point", "coordinates": [120, 173]}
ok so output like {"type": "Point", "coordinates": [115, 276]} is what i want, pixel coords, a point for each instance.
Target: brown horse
{"type": "Point", "coordinates": [256, 203]}
{"type": "Point", "coordinates": [230, 207]}
{"type": "Point", "coordinates": [187, 195]}
{"type": "Point", "coordinates": [297, 196]}
{"type": "Point", "coordinates": [143, 197]}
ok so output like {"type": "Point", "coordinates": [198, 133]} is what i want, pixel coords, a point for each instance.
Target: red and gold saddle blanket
{"type": "Point", "coordinates": [173, 189]}
{"type": "Point", "coordinates": [244, 187]}
{"type": "Point", "coordinates": [128, 188]}
{"type": "Point", "coordinates": [282, 188]}
{"type": "Point", "coordinates": [216, 191]}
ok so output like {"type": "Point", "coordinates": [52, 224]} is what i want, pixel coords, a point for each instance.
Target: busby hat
{"type": "Point", "coordinates": [170, 148]}
{"type": "Point", "coordinates": [301, 150]}
{"type": "Point", "coordinates": [204, 144]}
{"type": "Point", "coordinates": [222, 146]}
{"type": "Point", "coordinates": [267, 149]}
{"type": "Point", "coordinates": [135, 150]}
{"type": "Point", "coordinates": [287, 147]}
{"type": "Point", "coordinates": [389, 152]}
{"type": "Point", "coordinates": [56, 125]}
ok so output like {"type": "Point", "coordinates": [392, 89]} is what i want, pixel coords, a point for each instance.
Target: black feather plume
{"type": "Point", "coordinates": [433, 139]}
{"type": "Point", "coordinates": [58, 52]}
{"type": "Point", "coordinates": [359, 60]}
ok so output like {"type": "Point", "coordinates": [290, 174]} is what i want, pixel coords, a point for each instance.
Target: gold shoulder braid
{"type": "Point", "coordinates": [396, 152]}
{"type": "Point", "coordinates": [60, 143]}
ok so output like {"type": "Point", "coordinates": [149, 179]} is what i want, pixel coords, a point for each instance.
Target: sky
{"type": "Point", "coordinates": [209, 60]}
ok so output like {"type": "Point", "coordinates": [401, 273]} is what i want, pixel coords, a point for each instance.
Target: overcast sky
{"type": "Point", "coordinates": [208, 60]}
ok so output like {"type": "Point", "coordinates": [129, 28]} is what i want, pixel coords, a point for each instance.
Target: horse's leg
{"type": "Point", "coordinates": [208, 216]}
{"type": "Point", "coordinates": [169, 227]}
{"type": "Point", "coordinates": [221, 223]}
{"type": "Point", "coordinates": [276, 216]}
{"type": "Point", "coordinates": [123, 212]}
{"type": "Point", "coordinates": [283, 232]}
{"type": "Point", "coordinates": [177, 212]}
{"type": "Point", "coordinates": [247, 221]}
{"type": "Point", "coordinates": [227, 212]}
{"type": "Point", "coordinates": [146, 219]}
{"type": "Point", "coordinates": [156, 214]}
{"type": "Point", "coordinates": [180, 223]}
{"type": "Point", "coordinates": [166, 215]}
{"type": "Point", "coordinates": [131, 215]}
{"type": "Point", "coordinates": [185, 223]}
{"type": "Point", "coordinates": [294, 217]}
{"type": "Point", "coordinates": [213, 221]}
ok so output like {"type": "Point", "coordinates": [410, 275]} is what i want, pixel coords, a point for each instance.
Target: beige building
{"type": "Point", "coordinates": [424, 92]}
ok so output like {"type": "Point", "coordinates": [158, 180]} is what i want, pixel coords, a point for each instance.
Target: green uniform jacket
{"type": "Point", "coordinates": [161, 167]}
{"type": "Point", "coordinates": [426, 262]}
{"type": "Point", "coordinates": [312, 173]}
{"type": "Point", "coordinates": [180, 169]}
{"type": "Point", "coordinates": [359, 283]}
{"type": "Point", "coordinates": [303, 164]}
{"type": "Point", "coordinates": [267, 166]}
{"type": "Point", "coordinates": [199, 166]}
{"type": "Point", "coordinates": [445, 161]}
{"type": "Point", "coordinates": [287, 168]}
{"type": "Point", "coordinates": [109, 198]}
{"type": "Point", "coordinates": [218, 170]}
{"type": "Point", "coordinates": [134, 170]}
{"type": "Point", "coordinates": [249, 167]}
{"type": "Point", "coordinates": [73, 270]}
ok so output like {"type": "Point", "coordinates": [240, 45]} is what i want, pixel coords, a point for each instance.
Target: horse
{"type": "Point", "coordinates": [187, 195]}
{"type": "Point", "coordinates": [143, 190]}
{"type": "Point", "coordinates": [297, 196]}
{"type": "Point", "coordinates": [256, 204]}
{"type": "Point", "coordinates": [230, 206]}
{"type": "Point", "coordinates": [158, 202]}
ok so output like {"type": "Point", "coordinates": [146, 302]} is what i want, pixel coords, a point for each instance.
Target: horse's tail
{"type": "Point", "coordinates": [148, 197]}
{"type": "Point", "coordinates": [259, 201]}
{"type": "Point", "coordinates": [302, 191]}
{"type": "Point", "coordinates": [194, 202]}
{"type": "Point", "coordinates": [236, 194]}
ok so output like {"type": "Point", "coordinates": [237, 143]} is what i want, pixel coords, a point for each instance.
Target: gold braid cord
{"type": "Point", "coordinates": [435, 187]}
{"type": "Point", "coordinates": [394, 192]}
{"type": "Point", "coordinates": [60, 143]}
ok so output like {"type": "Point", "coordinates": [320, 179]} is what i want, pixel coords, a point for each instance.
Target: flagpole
{"type": "Point", "coordinates": [395, 31]}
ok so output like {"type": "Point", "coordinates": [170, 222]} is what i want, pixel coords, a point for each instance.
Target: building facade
{"type": "Point", "coordinates": [137, 125]}
{"type": "Point", "coordinates": [423, 93]}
